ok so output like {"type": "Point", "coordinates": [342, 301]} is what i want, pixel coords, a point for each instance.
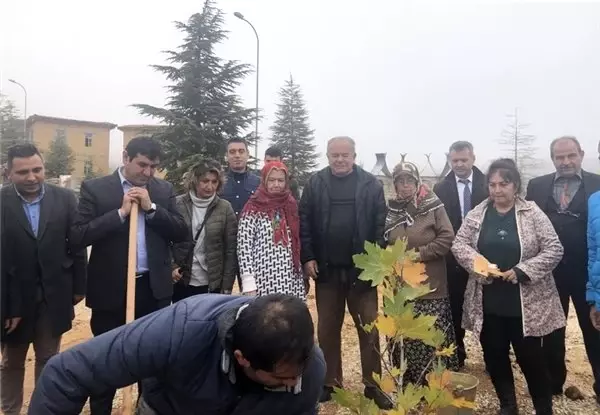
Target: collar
{"type": "Point", "coordinates": [36, 200]}
{"type": "Point", "coordinates": [578, 175]}
{"type": "Point", "coordinates": [122, 178]}
{"type": "Point", "coordinates": [470, 178]}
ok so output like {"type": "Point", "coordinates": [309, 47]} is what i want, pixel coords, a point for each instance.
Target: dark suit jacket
{"type": "Point", "coordinates": [50, 258]}
{"type": "Point", "coordinates": [98, 224]}
{"type": "Point", "coordinates": [447, 191]}
{"type": "Point", "coordinates": [571, 231]}
{"type": "Point", "coordinates": [541, 189]}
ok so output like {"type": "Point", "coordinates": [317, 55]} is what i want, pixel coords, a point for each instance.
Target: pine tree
{"type": "Point", "coordinates": [292, 134]}
{"type": "Point", "coordinates": [203, 111]}
{"type": "Point", "coordinates": [11, 127]}
{"type": "Point", "coordinates": [59, 159]}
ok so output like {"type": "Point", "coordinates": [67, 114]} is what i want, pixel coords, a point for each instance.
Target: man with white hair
{"type": "Point", "coordinates": [342, 206]}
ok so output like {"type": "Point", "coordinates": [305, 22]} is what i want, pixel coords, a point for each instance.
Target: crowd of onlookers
{"type": "Point", "coordinates": [234, 224]}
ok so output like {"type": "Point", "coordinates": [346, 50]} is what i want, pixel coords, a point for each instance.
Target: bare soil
{"type": "Point", "coordinates": [579, 370]}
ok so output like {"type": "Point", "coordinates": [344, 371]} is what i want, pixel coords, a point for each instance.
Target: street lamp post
{"type": "Point", "coordinates": [25, 111]}
{"type": "Point", "coordinates": [241, 17]}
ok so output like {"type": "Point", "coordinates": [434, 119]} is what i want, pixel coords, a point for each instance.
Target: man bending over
{"type": "Point", "coordinates": [209, 354]}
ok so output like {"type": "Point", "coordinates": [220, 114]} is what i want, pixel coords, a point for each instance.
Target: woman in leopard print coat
{"type": "Point", "coordinates": [520, 304]}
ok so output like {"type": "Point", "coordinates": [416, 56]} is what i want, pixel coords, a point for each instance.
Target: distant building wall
{"type": "Point", "coordinates": [89, 140]}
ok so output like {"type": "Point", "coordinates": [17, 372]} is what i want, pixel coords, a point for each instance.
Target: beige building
{"type": "Point", "coordinates": [89, 140]}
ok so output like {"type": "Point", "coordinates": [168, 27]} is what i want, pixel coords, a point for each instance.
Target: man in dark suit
{"type": "Point", "coordinates": [42, 273]}
{"type": "Point", "coordinates": [103, 222]}
{"type": "Point", "coordinates": [461, 190]}
{"type": "Point", "coordinates": [563, 196]}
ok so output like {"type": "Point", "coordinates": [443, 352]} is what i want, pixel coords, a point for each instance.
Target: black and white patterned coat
{"type": "Point", "coordinates": [265, 267]}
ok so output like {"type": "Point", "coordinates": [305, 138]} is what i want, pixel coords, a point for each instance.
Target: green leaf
{"type": "Point", "coordinates": [410, 397]}
{"type": "Point", "coordinates": [376, 263]}
{"type": "Point", "coordinates": [355, 401]}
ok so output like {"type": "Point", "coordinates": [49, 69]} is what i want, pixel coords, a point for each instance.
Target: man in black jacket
{"type": "Point", "coordinates": [103, 222]}
{"type": "Point", "coordinates": [341, 207]}
{"type": "Point", "coordinates": [461, 190]}
{"type": "Point", "coordinates": [563, 196]}
{"type": "Point", "coordinates": [42, 272]}
{"type": "Point", "coordinates": [241, 182]}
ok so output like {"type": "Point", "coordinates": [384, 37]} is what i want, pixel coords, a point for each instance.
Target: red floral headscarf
{"type": "Point", "coordinates": [264, 202]}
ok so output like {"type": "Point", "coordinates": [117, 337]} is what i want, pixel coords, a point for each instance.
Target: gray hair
{"type": "Point", "coordinates": [343, 138]}
{"type": "Point", "coordinates": [571, 138]}
{"type": "Point", "coordinates": [198, 170]}
{"type": "Point", "coordinates": [460, 146]}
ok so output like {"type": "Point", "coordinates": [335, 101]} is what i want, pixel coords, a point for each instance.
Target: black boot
{"type": "Point", "coordinates": [380, 398]}
{"type": "Point", "coordinates": [508, 399]}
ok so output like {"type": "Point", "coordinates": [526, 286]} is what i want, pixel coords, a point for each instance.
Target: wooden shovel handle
{"type": "Point", "coordinates": [130, 307]}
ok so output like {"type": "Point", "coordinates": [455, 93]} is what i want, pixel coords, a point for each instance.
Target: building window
{"type": "Point", "coordinates": [88, 139]}
{"type": "Point", "coordinates": [88, 167]}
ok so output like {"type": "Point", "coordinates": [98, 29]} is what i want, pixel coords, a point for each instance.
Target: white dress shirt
{"type": "Point", "coordinates": [461, 189]}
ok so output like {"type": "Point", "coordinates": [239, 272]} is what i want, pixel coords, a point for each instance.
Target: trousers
{"type": "Point", "coordinates": [496, 338]}
{"type": "Point", "coordinates": [332, 295]}
{"type": "Point", "coordinates": [12, 368]}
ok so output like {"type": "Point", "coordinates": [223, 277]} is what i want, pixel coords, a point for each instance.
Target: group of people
{"type": "Point", "coordinates": [243, 354]}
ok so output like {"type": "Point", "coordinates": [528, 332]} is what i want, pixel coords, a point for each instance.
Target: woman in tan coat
{"type": "Point", "coordinates": [417, 215]}
{"type": "Point", "coordinates": [519, 304]}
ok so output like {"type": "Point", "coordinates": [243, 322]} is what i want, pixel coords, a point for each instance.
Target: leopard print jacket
{"type": "Point", "coordinates": [541, 251]}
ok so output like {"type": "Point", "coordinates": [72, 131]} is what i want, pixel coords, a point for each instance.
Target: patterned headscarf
{"type": "Point", "coordinates": [281, 208]}
{"type": "Point", "coordinates": [406, 211]}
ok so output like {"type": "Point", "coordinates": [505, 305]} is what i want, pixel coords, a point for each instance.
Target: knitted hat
{"type": "Point", "coordinates": [406, 168]}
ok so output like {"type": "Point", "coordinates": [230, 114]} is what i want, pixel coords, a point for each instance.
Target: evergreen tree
{"type": "Point", "coordinates": [203, 111]}
{"type": "Point", "coordinates": [521, 147]}
{"type": "Point", "coordinates": [59, 159]}
{"type": "Point", "coordinates": [11, 127]}
{"type": "Point", "coordinates": [292, 134]}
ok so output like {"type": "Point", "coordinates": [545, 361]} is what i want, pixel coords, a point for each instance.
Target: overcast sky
{"type": "Point", "coordinates": [398, 76]}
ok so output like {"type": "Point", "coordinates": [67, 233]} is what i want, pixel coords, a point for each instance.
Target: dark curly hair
{"type": "Point", "coordinates": [507, 169]}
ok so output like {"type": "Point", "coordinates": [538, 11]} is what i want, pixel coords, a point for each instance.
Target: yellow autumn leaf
{"type": "Point", "coordinates": [439, 380]}
{"type": "Point", "coordinates": [386, 326]}
{"type": "Point", "coordinates": [387, 384]}
{"type": "Point", "coordinates": [413, 273]}
{"type": "Point", "coordinates": [446, 351]}
{"type": "Point", "coordinates": [462, 403]}
{"type": "Point", "coordinates": [398, 268]}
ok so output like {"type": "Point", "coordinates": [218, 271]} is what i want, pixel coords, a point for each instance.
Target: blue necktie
{"type": "Point", "coordinates": [466, 197]}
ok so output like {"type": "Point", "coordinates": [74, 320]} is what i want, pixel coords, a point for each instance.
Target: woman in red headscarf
{"type": "Point", "coordinates": [269, 239]}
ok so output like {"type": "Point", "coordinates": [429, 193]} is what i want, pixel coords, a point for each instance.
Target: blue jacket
{"type": "Point", "coordinates": [238, 188]}
{"type": "Point", "coordinates": [178, 352]}
{"type": "Point", "coordinates": [593, 237]}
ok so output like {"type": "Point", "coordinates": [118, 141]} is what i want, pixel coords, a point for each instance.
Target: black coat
{"type": "Point", "coordinates": [98, 224]}
{"type": "Point", "coordinates": [572, 231]}
{"type": "Point", "coordinates": [447, 191]}
{"type": "Point", "coordinates": [49, 258]}
{"type": "Point", "coordinates": [371, 211]}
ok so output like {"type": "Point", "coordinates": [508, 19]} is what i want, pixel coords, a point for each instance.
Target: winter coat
{"type": "Point", "coordinates": [541, 251]}
{"type": "Point", "coordinates": [371, 211]}
{"type": "Point", "coordinates": [184, 357]}
{"type": "Point", "coordinates": [220, 241]}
